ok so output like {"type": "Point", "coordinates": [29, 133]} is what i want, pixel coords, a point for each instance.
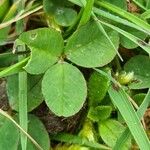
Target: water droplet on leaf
{"type": "Point", "coordinates": [33, 36]}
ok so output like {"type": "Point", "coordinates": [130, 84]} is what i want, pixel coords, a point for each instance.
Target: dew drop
{"type": "Point", "coordinates": [33, 36]}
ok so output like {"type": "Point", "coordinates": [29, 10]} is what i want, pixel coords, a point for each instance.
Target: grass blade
{"type": "Point", "coordinates": [23, 119]}
{"type": "Point", "coordinates": [14, 68]}
{"type": "Point", "coordinates": [122, 139]}
{"type": "Point", "coordinates": [146, 14]}
{"type": "Point", "coordinates": [17, 18]}
{"type": "Point", "coordinates": [89, 6]}
{"type": "Point", "coordinates": [118, 19]}
{"type": "Point", "coordinates": [145, 46]}
{"type": "Point", "coordinates": [112, 17]}
{"type": "Point", "coordinates": [22, 94]}
{"type": "Point", "coordinates": [86, 13]}
{"type": "Point", "coordinates": [144, 105]}
{"type": "Point", "coordinates": [126, 134]}
{"type": "Point", "coordinates": [106, 35]}
{"type": "Point", "coordinates": [121, 100]}
{"type": "Point", "coordinates": [141, 23]}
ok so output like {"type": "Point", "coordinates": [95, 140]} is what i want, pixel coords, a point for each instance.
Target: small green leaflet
{"type": "Point", "coordinates": [64, 89]}
{"type": "Point", "coordinates": [46, 46]}
{"type": "Point", "coordinates": [88, 47]}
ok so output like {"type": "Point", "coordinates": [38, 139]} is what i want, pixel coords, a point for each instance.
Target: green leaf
{"type": "Point", "coordinates": [4, 6]}
{"type": "Point", "coordinates": [117, 19]}
{"type": "Point", "coordinates": [111, 16]}
{"type": "Point", "coordinates": [35, 97]}
{"type": "Point", "coordinates": [65, 16]}
{"type": "Point", "coordinates": [9, 135]}
{"type": "Point", "coordinates": [140, 112]}
{"type": "Point", "coordinates": [97, 88]}
{"type": "Point", "coordinates": [148, 4]}
{"type": "Point", "coordinates": [145, 46]}
{"type": "Point", "coordinates": [88, 47]}
{"type": "Point", "coordinates": [127, 43]}
{"type": "Point", "coordinates": [62, 15]}
{"type": "Point", "coordinates": [140, 65]}
{"type": "Point", "coordinates": [46, 46]}
{"type": "Point", "coordinates": [129, 16]}
{"type": "Point", "coordinates": [110, 130]}
{"type": "Point", "coordinates": [38, 132]}
{"type": "Point", "coordinates": [74, 139]}
{"type": "Point", "coordinates": [99, 113]}
{"type": "Point", "coordinates": [121, 101]}
{"type": "Point", "coordinates": [51, 6]}
{"type": "Point", "coordinates": [64, 89]}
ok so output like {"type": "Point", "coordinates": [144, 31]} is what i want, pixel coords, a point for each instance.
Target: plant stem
{"type": "Point", "coordinates": [22, 94]}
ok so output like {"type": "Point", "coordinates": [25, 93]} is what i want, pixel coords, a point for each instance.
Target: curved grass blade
{"type": "Point", "coordinates": [14, 68]}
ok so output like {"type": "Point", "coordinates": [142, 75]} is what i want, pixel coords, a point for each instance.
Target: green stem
{"type": "Point", "coordinates": [23, 116]}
